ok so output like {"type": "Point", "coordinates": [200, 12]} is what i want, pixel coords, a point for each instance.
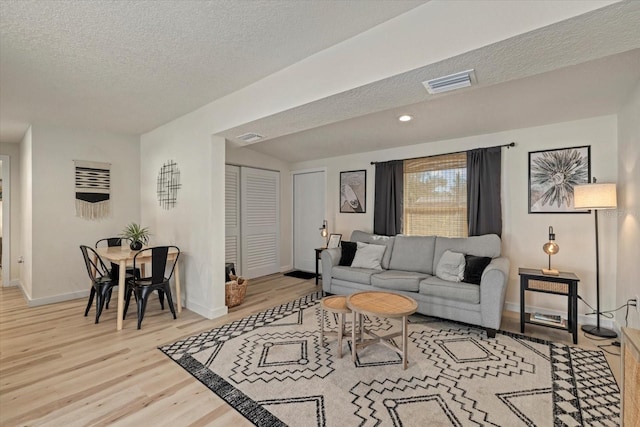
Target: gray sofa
{"type": "Point", "coordinates": [409, 268]}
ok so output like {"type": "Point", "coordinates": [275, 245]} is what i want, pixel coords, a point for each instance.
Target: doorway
{"type": "Point", "coordinates": [252, 218]}
{"type": "Point", "coordinates": [309, 212]}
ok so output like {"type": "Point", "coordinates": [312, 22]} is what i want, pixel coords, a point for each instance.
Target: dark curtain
{"type": "Point", "coordinates": [484, 207]}
{"type": "Point", "coordinates": [389, 192]}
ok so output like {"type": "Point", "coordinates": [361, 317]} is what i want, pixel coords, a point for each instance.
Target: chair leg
{"type": "Point", "coordinates": [142, 304]}
{"type": "Point", "coordinates": [100, 296]}
{"type": "Point", "coordinates": [90, 303]}
{"type": "Point", "coordinates": [161, 296]}
{"type": "Point", "coordinates": [108, 298]}
{"type": "Point", "coordinates": [127, 298]}
{"type": "Point", "coordinates": [167, 290]}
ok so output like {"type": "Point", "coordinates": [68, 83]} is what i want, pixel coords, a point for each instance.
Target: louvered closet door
{"type": "Point", "coordinates": [232, 216]}
{"type": "Point", "coordinates": [260, 220]}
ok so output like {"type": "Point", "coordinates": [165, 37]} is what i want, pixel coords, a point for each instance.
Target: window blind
{"type": "Point", "coordinates": [435, 196]}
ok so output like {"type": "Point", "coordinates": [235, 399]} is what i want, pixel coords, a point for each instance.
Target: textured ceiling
{"type": "Point", "coordinates": [131, 66]}
{"type": "Point", "coordinates": [586, 90]}
{"type": "Point", "coordinates": [528, 80]}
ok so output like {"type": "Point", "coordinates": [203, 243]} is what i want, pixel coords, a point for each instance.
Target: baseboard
{"type": "Point", "coordinates": [285, 268]}
{"type": "Point", "coordinates": [34, 302]}
{"type": "Point", "coordinates": [582, 319]}
{"type": "Point", "coordinates": [13, 283]}
{"type": "Point", "coordinates": [205, 311]}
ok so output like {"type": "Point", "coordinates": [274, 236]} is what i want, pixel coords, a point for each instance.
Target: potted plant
{"type": "Point", "coordinates": [136, 235]}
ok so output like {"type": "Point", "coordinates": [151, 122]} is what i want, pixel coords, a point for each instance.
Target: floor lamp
{"type": "Point", "coordinates": [596, 196]}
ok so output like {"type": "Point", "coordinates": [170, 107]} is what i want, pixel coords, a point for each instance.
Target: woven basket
{"type": "Point", "coordinates": [235, 290]}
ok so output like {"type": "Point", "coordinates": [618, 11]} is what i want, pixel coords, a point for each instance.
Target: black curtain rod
{"type": "Point", "coordinates": [511, 144]}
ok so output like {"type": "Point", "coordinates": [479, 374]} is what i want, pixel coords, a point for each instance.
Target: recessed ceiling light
{"type": "Point", "coordinates": [405, 118]}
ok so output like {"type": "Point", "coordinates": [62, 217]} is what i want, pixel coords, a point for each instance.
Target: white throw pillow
{"type": "Point", "coordinates": [368, 256]}
{"type": "Point", "coordinates": [451, 266]}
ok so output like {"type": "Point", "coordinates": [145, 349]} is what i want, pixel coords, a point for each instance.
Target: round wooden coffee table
{"type": "Point", "coordinates": [380, 304]}
{"type": "Point", "coordinates": [334, 304]}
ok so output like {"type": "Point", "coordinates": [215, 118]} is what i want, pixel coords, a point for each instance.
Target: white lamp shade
{"type": "Point", "coordinates": [595, 196]}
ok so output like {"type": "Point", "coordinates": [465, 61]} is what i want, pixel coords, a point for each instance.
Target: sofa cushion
{"type": "Point", "coordinates": [413, 253]}
{"type": "Point", "coordinates": [348, 252]}
{"type": "Point", "coordinates": [368, 256]}
{"type": "Point", "coordinates": [361, 236]}
{"type": "Point", "coordinates": [486, 245]}
{"type": "Point", "coordinates": [350, 274]}
{"type": "Point", "coordinates": [398, 280]}
{"type": "Point", "coordinates": [474, 267]}
{"type": "Point", "coordinates": [451, 266]}
{"type": "Point", "coordinates": [458, 291]}
{"type": "Point", "coordinates": [388, 243]}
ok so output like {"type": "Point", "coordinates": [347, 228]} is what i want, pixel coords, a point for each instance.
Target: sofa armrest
{"type": "Point", "coordinates": [329, 258]}
{"type": "Point", "coordinates": [493, 288]}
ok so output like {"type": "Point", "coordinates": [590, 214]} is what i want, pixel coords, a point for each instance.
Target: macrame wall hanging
{"type": "Point", "coordinates": [168, 185]}
{"type": "Point", "coordinates": [93, 183]}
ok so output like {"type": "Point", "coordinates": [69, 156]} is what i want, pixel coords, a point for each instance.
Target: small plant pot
{"type": "Point", "coordinates": [135, 246]}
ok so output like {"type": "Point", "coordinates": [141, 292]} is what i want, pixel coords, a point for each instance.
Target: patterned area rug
{"type": "Point", "coordinates": [272, 368]}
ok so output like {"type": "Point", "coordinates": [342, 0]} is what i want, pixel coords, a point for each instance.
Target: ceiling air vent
{"type": "Point", "coordinates": [450, 82]}
{"type": "Point", "coordinates": [250, 137]}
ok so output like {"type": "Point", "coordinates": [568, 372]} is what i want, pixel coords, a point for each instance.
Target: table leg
{"type": "Point", "coordinates": [317, 260]}
{"type": "Point", "coordinates": [522, 293]}
{"type": "Point", "coordinates": [574, 312]}
{"type": "Point", "coordinates": [121, 291]}
{"type": "Point", "coordinates": [178, 293]}
{"type": "Point", "coordinates": [322, 327]}
{"type": "Point", "coordinates": [340, 332]}
{"type": "Point", "coordinates": [353, 337]}
{"type": "Point", "coordinates": [404, 342]}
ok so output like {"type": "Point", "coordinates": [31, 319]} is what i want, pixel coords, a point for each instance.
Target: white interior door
{"type": "Point", "coordinates": [308, 213]}
{"type": "Point", "coordinates": [232, 216]}
{"type": "Point", "coordinates": [260, 221]}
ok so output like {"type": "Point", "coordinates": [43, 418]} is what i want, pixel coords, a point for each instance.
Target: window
{"type": "Point", "coordinates": [435, 196]}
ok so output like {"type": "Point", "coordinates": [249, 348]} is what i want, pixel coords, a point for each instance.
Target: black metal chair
{"type": "Point", "coordinates": [101, 281]}
{"type": "Point", "coordinates": [115, 268]}
{"type": "Point", "coordinates": [141, 288]}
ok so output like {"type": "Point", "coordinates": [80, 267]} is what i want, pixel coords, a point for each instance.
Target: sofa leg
{"type": "Point", "coordinates": [491, 333]}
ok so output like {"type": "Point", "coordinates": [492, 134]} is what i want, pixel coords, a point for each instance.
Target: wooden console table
{"type": "Point", "coordinates": [565, 284]}
{"type": "Point", "coordinates": [318, 253]}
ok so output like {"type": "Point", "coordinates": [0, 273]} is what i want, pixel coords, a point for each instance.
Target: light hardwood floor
{"type": "Point", "coordinates": [59, 368]}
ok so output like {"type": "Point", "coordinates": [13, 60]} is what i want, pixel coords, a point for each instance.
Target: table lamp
{"type": "Point", "coordinates": [551, 248]}
{"type": "Point", "coordinates": [324, 231]}
{"type": "Point", "coordinates": [596, 196]}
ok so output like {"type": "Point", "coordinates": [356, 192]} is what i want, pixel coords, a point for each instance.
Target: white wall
{"type": "Point", "coordinates": [244, 157]}
{"type": "Point", "coordinates": [368, 57]}
{"type": "Point", "coordinates": [196, 224]}
{"type": "Point", "coordinates": [628, 284]}
{"type": "Point", "coordinates": [13, 152]}
{"type": "Point", "coordinates": [524, 233]}
{"type": "Point", "coordinates": [51, 231]}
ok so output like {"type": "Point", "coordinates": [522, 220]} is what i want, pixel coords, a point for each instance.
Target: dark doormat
{"type": "Point", "coordinates": [300, 274]}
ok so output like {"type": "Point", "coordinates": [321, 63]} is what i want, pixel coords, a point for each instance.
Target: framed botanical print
{"type": "Point", "coordinates": [552, 176]}
{"type": "Point", "coordinates": [353, 191]}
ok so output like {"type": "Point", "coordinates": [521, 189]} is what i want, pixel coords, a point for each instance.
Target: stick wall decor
{"type": "Point", "coordinates": [168, 185]}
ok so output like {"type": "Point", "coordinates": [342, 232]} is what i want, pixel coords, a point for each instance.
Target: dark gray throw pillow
{"type": "Point", "coordinates": [348, 252]}
{"type": "Point", "coordinates": [474, 267]}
